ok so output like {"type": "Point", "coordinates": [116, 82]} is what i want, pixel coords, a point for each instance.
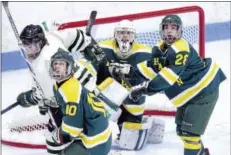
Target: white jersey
{"type": "Point", "coordinates": [69, 40]}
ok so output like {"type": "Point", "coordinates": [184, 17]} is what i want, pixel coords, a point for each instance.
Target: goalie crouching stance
{"type": "Point", "coordinates": [126, 64]}
{"type": "Point", "coordinates": [85, 129]}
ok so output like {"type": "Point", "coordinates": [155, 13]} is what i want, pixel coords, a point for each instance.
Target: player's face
{"type": "Point", "coordinates": [32, 48]}
{"type": "Point", "coordinates": [125, 36]}
{"type": "Point", "coordinates": [170, 32]}
{"type": "Point", "coordinates": [60, 67]}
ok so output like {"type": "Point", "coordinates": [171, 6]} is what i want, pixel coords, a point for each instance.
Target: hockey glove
{"type": "Point", "coordinates": [32, 98]}
{"type": "Point", "coordinates": [138, 91]}
{"type": "Point", "coordinates": [117, 69]}
{"type": "Point", "coordinates": [27, 99]}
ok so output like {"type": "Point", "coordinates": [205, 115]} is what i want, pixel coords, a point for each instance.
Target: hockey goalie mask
{"type": "Point", "coordinates": [61, 65]}
{"type": "Point", "coordinates": [171, 29]}
{"type": "Point", "coordinates": [124, 34]}
{"type": "Point", "coordinates": [33, 39]}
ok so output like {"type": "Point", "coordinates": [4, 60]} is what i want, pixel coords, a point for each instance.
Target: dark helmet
{"type": "Point", "coordinates": [33, 34]}
{"type": "Point", "coordinates": [65, 56]}
{"type": "Point", "coordinates": [172, 19]}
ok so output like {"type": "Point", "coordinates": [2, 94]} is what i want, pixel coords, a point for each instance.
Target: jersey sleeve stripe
{"type": "Point", "coordinates": [89, 66]}
{"type": "Point", "coordinates": [169, 75]}
{"type": "Point", "coordinates": [73, 131]}
{"type": "Point", "coordinates": [189, 93]}
{"type": "Point", "coordinates": [135, 109]}
{"type": "Point", "coordinates": [97, 106]}
{"type": "Point", "coordinates": [82, 75]}
{"type": "Point", "coordinates": [82, 40]}
{"type": "Point", "coordinates": [146, 71]}
{"type": "Point", "coordinates": [75, 41]}
{"type": "Point", "coordinates": [92, 141]}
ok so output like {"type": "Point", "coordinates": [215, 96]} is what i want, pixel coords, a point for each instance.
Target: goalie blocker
{"type": "Point", "coordinates": [135, 135]}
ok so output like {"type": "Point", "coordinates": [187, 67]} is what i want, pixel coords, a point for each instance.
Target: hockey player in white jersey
{"type": "Point", "coordinates": [38, 47]}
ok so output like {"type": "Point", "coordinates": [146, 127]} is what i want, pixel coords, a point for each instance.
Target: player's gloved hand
{"type": "Point", "coordinates": [50, 126]}
{"type": "Point", "coordinates": [52, 143]}
{"type": "Point", "coordinates": [43, 109]}
{"type": "Point", "coordinates": [138, 91]}
{"type": "Point", "coordinates": [27, 99]}
{"type": "Point", "coordinates": [32, 98]}
{"type": "Point", "coordinates": [117, 69]}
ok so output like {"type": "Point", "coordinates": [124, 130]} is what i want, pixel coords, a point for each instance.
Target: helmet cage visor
{"type": "Point", "coordinates": [124, 38]}
{"type": "Point", "coordinates": [170, 31]}
{"type": "Point", "coordinates": [60, 69]}
{"type": "Point", "coordinates": [32, 49]}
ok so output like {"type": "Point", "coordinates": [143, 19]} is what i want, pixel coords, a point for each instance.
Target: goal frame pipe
{"type": "Point", "coordinates": [150, 14]}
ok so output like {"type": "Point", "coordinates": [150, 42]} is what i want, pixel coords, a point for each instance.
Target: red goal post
{"type": "Point", "coordinates": [28, 130]}
{"type": "Point", "coordinates": [151, 14]}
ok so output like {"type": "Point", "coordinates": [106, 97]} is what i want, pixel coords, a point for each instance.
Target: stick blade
{"type": "Point", "coordinates": [91, 22]}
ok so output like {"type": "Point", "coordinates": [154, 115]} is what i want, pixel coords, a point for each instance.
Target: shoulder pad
{"type": "Point", "coordinates": [107, 44]}
{"type": "Point", "coordinates": [71, 90]}
{"type": "Point", "coordinates": [159, 43]}
{"type": "Point", "coordinates": [136, 47]}
{"type": "Point", "coordinates": [180, 45]}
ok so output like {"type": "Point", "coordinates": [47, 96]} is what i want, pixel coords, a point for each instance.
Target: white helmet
{"type": "Point", "coordinates": [124, 34]}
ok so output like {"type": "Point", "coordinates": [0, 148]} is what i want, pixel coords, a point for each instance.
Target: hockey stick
{"type": "Point", "coordinates": [9, 108]}
{"type": "Point", "coordinates": [5, 5]}
{"type": "Point", "coordinates": [88, 32]}
{"type": "Point", "coordinates": [90, 22]}
{"type": "Point", "coordinates": [98, 48]}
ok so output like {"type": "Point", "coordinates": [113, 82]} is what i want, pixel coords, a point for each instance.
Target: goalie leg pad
{"type": "Point", "coordinates": [156, 133]}
{"type": "Point", "coordinates": [134, 135]}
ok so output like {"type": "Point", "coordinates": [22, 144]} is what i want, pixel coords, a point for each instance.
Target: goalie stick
{"type": "Point", "coordinates": [88, 32]}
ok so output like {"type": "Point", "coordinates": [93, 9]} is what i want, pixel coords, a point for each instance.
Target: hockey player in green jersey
{"type": "Point", "coordinates": [85, 128]}
{"type": "Point", "coordinates": [190, 82]}
{"type": "Point", "coordinates": [127, 64]}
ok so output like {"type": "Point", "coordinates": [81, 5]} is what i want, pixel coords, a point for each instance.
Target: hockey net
{"type": "Point", "coordinates": [28, 130]}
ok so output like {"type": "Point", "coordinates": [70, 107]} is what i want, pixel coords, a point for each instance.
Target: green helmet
{"type": "Point", "coordinates": [171, 19]}
{"type": "Point", "coordinates": [62, 55]}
